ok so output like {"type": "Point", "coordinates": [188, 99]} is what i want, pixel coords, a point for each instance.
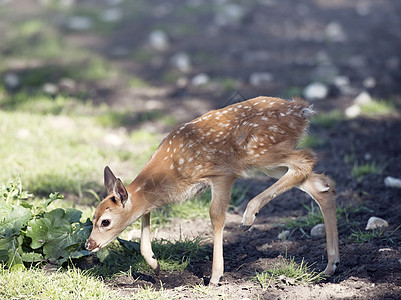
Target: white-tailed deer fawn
{"type": "Point", "coordinates": [213, 150]}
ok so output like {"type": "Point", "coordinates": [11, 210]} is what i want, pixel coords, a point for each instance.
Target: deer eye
{"type": "Point", "coordinates": [105, 223]}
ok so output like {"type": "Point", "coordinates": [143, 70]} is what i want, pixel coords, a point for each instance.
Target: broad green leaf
{"type": "Point", "coordinates": [37, 231]}
{"type": "Point", "coordinates": [57, 234]}
{"type": "Point", "coordinates": [73, 215]}
{"type": "Point", "coordinates": [12, 219]}
{"type": "Point", "coordinates": [129, 245]}
{"type": "Point", "coordinates": [9, 251]}
{"type": "Point", "coordinates": [31, 257]}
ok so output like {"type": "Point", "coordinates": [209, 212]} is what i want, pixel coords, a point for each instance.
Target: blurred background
{"type": "Point", "coordinates": [88, 83]}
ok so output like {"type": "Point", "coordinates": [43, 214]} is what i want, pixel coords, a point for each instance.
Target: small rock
{"type": "Point", "coordinates": [367, 156]}
{"type": "Point", "coordinates": [200, 79]}
{"type": "Point", "coordinates": [369, 82]}
{"type": "Point", "coordinates": [79, 23]}
{"type": "Point", "coordinates": [385, 250]}
{"type": "Point", "coordinates": [335, 32]}
{"type": "Point", "coordinates": [50, 88]}
{"type": "Point", "coordinates": [229, 14]}
{"type": "Point", "coordinates": [318, 231]}
{"type": "Point", "coordinates": [284, 235]}
{"type": "Point", "coordinates": [158, 40]}
{"type": "Point", "coordinates": [182, 62]}
{"type": "Point", "coordinates": [353, 111]}
{"type": "Point", "coordinates": [67, 85]}
{"type": "Point", "coordinates": [343, 84]}
{"type": "Point", "coordinates": [316, 91]}
{"type": "Point", "coordinates": [363, 98]}
{"type": "Point", "coordinates": [260, 78]}
{"type": "Point", "coordinates": [374, 223]}
{"type": "Point", "coordinates": [11, 80]}
{"type": "Point", "coordinates": [392, 182]}
{"type": "Point", "coordinates": [111, 15]}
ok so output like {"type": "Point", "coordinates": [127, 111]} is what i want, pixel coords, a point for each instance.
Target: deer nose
{"type": "Point", "coordinates": [90, 244]}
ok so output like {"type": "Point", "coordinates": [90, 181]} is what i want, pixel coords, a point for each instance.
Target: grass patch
{"type": "Point", "coordinates": [63, 152]}
{"type": "Point", "coordinates": [328, 120]}
{"type": "Point", "coordinates": [376, 108]}
{"type": "Point", "coordinates": [311, 141]}
{"type": "Point", "coordinates": [315, 216]}
{"type": "Point", "coordinates": [37, 284]}
{"type": "Point", "coordinates": [359, 171]}
{"type": "Point", "coordinates": [124, 257]}
{"type": "Point", "coordinates": [150, 293]}
{"type": "Point", "coordinates": [288, 272]}
{"type": "Point", "coordinates": [359, 236]}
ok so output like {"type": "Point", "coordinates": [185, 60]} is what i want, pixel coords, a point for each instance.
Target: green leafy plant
{"type": "Point", "coordinates": [30, 233]}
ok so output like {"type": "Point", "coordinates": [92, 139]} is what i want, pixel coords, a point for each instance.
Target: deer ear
{"type": "Point", "coordinates": [109, 180]}
{"type": "Point", "coordinates": [120, 192]}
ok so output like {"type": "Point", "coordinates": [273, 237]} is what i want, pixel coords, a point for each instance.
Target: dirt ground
{"type": "Point", "coordinates": [296, 43]}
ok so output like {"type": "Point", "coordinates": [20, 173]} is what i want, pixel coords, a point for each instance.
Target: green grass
{"type": "Point", "coordinates": [124, 257]}
{"type": "Point", "coordinates": [287, 272]}
{"type": "Point", "coordinates": [57, 144]}
{"type": "Point", "coordinates": [328, 120]}
{"type": "Point", "coordinates": [314, 216]}
{"type": "Point", "coordinates": [63, 284]}
{"type": "Point", "coordinates": [311, 141]}
{"type": "Point", "coordinates": [379, 108]}
{"type": "Point", "coordinates": [359, 171]}
{"type": "Point", "coordinates": [366, 236]}
{"type": "Point", "coordinates": [150, 293]}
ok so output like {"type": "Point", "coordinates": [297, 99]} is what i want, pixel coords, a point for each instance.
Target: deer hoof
{"type": "Point", "coordinates": [244, 227]}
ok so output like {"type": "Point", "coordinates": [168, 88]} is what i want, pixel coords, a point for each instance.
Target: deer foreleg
{"type": "Point", "coordinates": [221, 192]}
{"type": "Point", "coordinates": [146, 245]}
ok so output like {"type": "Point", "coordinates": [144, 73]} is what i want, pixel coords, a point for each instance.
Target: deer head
{"type": "Point", "coordinates": [113, 214]}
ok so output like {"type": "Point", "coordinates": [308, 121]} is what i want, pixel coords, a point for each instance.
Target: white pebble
{"type": "Point", "coordinates": [318, 231]}
{"type": "Point", "coordinates": [374, 223]}
{"type": "Point", "coordinates": [316, 91]}
{"type": "Point", "coordinates": [284, 235]}
{"type": "Point", "coordinates": [392, 182]}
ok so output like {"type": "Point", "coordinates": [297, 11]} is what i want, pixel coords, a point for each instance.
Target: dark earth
{"type": "Point", "coordinates": [292, 43]}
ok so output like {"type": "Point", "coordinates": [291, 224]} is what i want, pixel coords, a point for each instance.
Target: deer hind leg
{"type": "Point", "coordinates": [221, 193]}
{"type": "Point", "coordinates": [321, 189]}
{"type": "Point", "coordinates": [297, 166]}
{"type": "Point", "coordinates": [146, 245]}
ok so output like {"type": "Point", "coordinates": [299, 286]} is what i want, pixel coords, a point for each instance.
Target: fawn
{"type": "Point", "coordinates": [213, 150]}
